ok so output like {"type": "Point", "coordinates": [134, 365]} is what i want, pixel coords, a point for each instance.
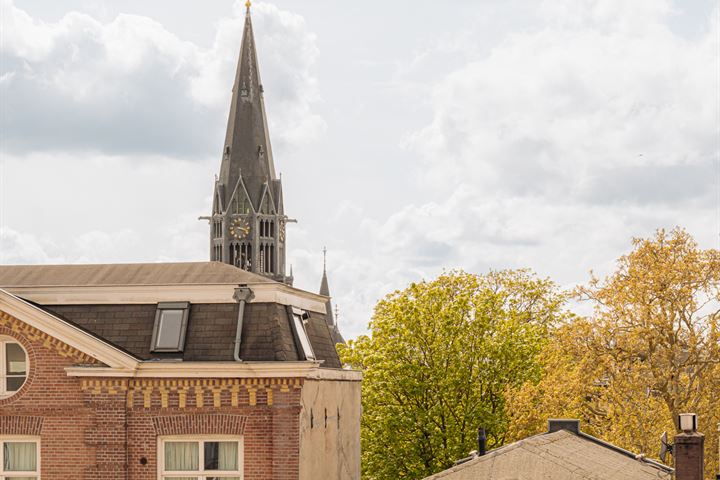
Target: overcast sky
{"type": "Point", "coordinates": [413, 136]}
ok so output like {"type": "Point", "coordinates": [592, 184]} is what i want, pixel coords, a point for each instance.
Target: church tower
{"type": "Point", "coordinates": [247, 226]}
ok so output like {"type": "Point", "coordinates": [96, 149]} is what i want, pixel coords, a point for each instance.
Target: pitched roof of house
{"type": "Point", "coordinates": [109, 274]}
{"type": "Point", "coordinates": [127, 323]}
{"type": "Point", "coordinates": [266, 334]}
{"type": "Point", "coordinates": [559, 455]}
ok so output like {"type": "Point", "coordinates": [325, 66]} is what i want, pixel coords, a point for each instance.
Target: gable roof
{"type": "Point", "coordinates": [560, 455]}
{"type": "Point", "coordinates": [115, 274]}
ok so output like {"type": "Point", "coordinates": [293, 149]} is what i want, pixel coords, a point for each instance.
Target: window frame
{"type": "Point", "coordinates": [163, 306]}
{"type": "Point", "coordinates": [19, 439]}
{"type": "Point", "coordinates": [299, 316]}
{"type": "Point", "coordinates": [4, 375]}
{"type": "Point", "coordinates": [201, 473]}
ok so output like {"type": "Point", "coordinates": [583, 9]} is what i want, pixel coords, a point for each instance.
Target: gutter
{"type": "Point", "coordinates": [242, 295]}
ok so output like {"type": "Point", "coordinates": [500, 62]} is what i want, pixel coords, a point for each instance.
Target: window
{"type": "Point", "coordinates": [170, 326]}
{"type": "Point", "coordinates": [240, 204]}
{"type": "Point", "coordinates": [20, 458]}
{"type": "Point", "coordinates": [300, 319]}
{"type": "Point", "coordinates": [200, 458]}
{"type": "Point", "coordinates": [13, 366]}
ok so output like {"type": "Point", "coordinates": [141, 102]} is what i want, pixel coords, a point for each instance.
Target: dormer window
{"type": "Point", "coordinates": [171, 320]}
{"type": "Point", "coordinates": [300, 320]}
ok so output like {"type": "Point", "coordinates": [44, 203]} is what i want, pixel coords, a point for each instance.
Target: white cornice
{"type": "Point", "coordinates": [144, 294]}
{"type": "Point", "coordinates": [162, 369]}
{"type": "Point", "coordinates": [65, 332]}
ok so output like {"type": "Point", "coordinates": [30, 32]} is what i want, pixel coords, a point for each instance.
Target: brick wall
{"type": "Point", "coordinates": [107, 428]}
{"type": "Point", "coordinates": [49, 395]}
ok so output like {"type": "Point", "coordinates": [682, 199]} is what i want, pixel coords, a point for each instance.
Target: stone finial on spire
{"type": "Point", "coordinates": [324, 287]}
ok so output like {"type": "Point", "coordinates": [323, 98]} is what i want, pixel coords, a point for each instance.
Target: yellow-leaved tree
{"type": "Point", "coordinates": [650, 351]}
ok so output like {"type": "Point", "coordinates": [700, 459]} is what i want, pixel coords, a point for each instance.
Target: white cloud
{"type": "Point", "coordinates": [130, 85]}
{"type": "Point", "coordinates": [550, 140]}
{"type": "Point", "coordinates": [89, 247]}
{"type": "Point", "coordinates": [22, 248]}
{"type": "Point", "coordinates": [551, 112]}
{"type": "Point", "coordinates": [551, 152]}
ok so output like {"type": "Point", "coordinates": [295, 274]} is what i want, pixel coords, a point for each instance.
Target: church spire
{"type": "Point", "coordinates": [248, 221]}
{"type": "Point", "coordinates": [325, 291]}
{"type": "Point", "coordinates": [324, 288]}
{"type": "Point", "coordinates": [247, 152]}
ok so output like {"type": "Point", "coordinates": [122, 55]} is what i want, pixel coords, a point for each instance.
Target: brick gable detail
{"type": "Point", "coordinates": [35, 335]}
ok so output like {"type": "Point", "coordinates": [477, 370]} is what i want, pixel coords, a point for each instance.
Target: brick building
{"type": "Point", "coordinates": [170, 371]}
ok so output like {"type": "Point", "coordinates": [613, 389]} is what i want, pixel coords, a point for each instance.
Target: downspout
{"type": "Point", "coordinates": [242, 295]}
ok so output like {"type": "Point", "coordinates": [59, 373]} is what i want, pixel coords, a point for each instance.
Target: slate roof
{"type": "Point", "coordinates": [114, 274]}
{"type": "Point", "coordinates": [267, 333]}
{"type": "Point", "coordinates": [560, 455]}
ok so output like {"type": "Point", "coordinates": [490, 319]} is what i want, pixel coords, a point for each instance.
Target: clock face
{"type": "Point", "coordinates": [239, 228]}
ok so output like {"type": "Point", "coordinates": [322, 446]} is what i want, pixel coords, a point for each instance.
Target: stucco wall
{"type": "Point", "coordinates": [330, 430]}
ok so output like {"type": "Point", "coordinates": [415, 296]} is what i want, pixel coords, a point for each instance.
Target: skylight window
{"type": "Point", "coordinates": [170, 326]}
{"type": "Point", "coordinates": [300, 319]}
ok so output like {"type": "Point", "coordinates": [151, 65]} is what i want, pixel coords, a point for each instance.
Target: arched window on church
{"type": "Point", "coordinates": [240, 204]}
{"type": "Point", "coordinates": [245, 256]}
{"type": "Point", "coordinates": [265, 207]}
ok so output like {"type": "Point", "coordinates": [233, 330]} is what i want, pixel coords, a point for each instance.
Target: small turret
{"type": "Point", "coordinates": [329, 316]}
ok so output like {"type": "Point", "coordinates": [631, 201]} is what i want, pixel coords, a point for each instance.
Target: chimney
{"type": "Point", "coordinates": [557, 424]}
{"type": "Point", "coordinates": [688, 451]}
{"type": "Point", "coordinates": [481, 442]}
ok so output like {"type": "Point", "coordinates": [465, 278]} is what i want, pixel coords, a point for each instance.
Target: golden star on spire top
{"type": "Point", "coordinates": [248, 4]}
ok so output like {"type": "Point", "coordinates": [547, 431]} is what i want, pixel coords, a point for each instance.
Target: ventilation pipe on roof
{"type": "Point", "coordinates": [242, 295]}
{"type": "Point", "coordinates": [481, 442]}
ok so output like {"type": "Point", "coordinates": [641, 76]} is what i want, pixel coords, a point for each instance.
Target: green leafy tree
{"type": "Point", "coordinates": [650, 351]}
{"type": "Point", "coordinates": [437, 364]}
